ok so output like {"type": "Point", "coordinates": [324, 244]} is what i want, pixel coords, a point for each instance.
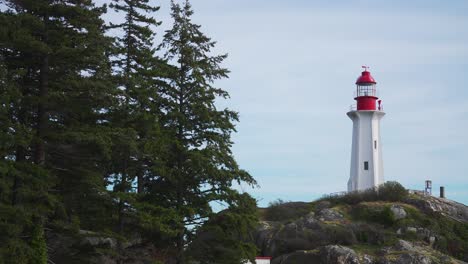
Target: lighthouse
{"type": "Point", "coordinates": [366, 151]}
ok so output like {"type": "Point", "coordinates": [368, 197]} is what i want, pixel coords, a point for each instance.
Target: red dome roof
{"type": "Point", "coordinates": [365, 77]}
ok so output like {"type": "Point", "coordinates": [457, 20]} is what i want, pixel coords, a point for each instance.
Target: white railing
{"type": "Point", "coordinates": [338, 194]}
{"type": "Point", "coordinates": [353, 107]}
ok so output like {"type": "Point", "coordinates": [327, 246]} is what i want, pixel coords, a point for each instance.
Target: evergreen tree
{"type": "Point", "coordinates": [225, 236]}
{"type": "Point", "coordinates": [81, 112]}
{"type": "Point", "coordinates": [54, 71]}
{"type": "Point", "coordinates": [135, 117]}
{"type": "Point", "coordinates": [198, 167]}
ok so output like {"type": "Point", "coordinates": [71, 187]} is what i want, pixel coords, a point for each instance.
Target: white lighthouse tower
{"type": "Point", "coordinates": [366, 154]}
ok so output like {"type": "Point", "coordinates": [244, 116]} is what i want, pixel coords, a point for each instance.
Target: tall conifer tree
{"type": "Point", "coordinates": [136, 116]}
{"type": "Point", "coordinates": [55, 70]}
{"type": "Point", "coordinates": [198, 167]}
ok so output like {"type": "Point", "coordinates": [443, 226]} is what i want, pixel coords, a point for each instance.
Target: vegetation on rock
{"type": "Point", "coordinates": [385, 225]}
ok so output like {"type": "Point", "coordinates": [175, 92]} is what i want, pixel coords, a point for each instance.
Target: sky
{"type": "Point", "coordinates": [293, 67]}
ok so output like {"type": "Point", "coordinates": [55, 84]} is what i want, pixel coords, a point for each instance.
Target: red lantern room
{"type": "Point", "coordinates": [366, 94]}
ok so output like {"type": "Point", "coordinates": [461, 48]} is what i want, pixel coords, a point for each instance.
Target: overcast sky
{"type": "Point", "coordinates": [293, 67]}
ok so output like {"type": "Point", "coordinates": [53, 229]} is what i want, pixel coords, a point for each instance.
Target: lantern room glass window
{"type": "Point", "coordinates": [366, 90]}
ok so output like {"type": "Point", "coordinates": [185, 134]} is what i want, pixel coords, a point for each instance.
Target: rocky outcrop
{"type": "Point", "coordinates": [338, 254]}
{"type": "Point", "coordinates": [90, 247]}
{"type": "Point", "coordinates": [328, 254]}
{"type": "Point", "coordinates": [444, 206]}
{"type": "Point", "coordinates": [275, 239]}
{"type": "Point", "coordinates": [406, 258]}
{"type": "Point", "coordinates": [328, 214]}
{"type": "Point", "coordinates": [93, 239]}
{"type": "Point", "coordinates": [335, 234]}
{"type": "Point", "coordinates": [403, 252]}
{"type": "Point", "coordinates": [298, 257]}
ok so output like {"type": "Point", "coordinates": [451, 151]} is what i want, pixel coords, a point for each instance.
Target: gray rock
{"type": "Point", "coordinates": [328, 214]}
{"type": "Point", "coordinates": [403, 245]}
{"type": "Point", "coordinates": [291, 226]}
{"type": "Point", "coordinates": [366, 259]}
{"type": "Point", "coordinates": [331, 254]}
{"type": "Point", "coordinates": [298, 257]}
{"type": "Point", "coordinates": [94, 239]}
{"type": "Point", "coordinates": [447, 207]}
{"type": "Point", "coordinates": [264, 225]}
{"type": "Point", "coordinates": [409, 258]}
{"type": "Point", "coordinates": [310, 218]}
{"type": "Point", "coordinates": [310, 222]}
{"type": "Point", "coordinates": [445, 259]}
{"type": "Point", "coordinates": [132, 242]}
{"type": "Point", "coordinates": [398, 211]}
{"type": "Point", "coordinates": [264, 237]}
{"type": "Point", "coordinates": [322, 205]}
{"type": "Point", "coordinates": [412, 229]}
{"type": "Point", "coordinates": [84, 246]}
{"type": "Point", "coordinates": [86, 232]}
{"type": "Point", "coordinates": [424, 232]}
{"type": "Point", "coordinates": [338, 254]}
{"type": "Point", "coordinates": [99, 241]}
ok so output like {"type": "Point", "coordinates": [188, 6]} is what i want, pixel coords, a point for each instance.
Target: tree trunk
{"type": "Point", "coordinates": [121, 222]}
{"type": "Point", "coordinates": [140, 180]}
{"type": "Point", "coordinates": [180, 247]}
{"type": "Point", "coordinates": [19, 157]}
{"type": "Point", "coordinates": [39, 155]}
{"type": "Point", "coordinates": [122, 190]}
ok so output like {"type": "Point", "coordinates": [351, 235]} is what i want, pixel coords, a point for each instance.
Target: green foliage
{"type": "Point", "coordinates": [381, 215]}
{"type": "Point", "coordinates": [100, 133]}
{"type": "Point", "coordinates": [280, 210]}
{"type": "Point", "coordinates": [392, 192]}
{"type": "Point", "coordinates": [225, 237]}
{"type": "Point", "coordinates": [137, 141]}
{"type": "Point", "coordinates": [414, 218]}
{"type": "Point", "coordinates": [389, 191]}
{"type": "Point", "coordinates": [341, 235]}
{"type": "Point", "coordinates": [453, 235]}
{"type": "Point", "coordinates": [196, 166]}
{"type": "Point", "coordinates": [22, 234]}
{"type": "Point", "coordinates": [387, 217]}
{"type": "Point", "coordinates": [38, 245]}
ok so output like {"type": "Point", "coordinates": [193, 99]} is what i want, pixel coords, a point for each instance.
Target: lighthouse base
{"type": "Point", "coordinates": [366, 155]}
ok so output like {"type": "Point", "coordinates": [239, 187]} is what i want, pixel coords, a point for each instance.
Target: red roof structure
{"type": "Point", "coordinates": [366, 77]}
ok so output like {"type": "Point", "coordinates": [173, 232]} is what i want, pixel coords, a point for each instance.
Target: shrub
{"type": "Point", "coordinates": [382, 216]}
{"type": "Point", "coordinates": [389, 191]}
{"type": "Point", "coordinates": [340, 235]}
{"type": "Point", "coordinates": [441, 244]}
{"type": "Point", "coordinates": [280, 210]}
{"type": "Point", "coordinates": [370, 234]}
{"type": "Point", "coordinates": [392, 191]}
{"type": "Point", "coordinates": [387, 217]}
